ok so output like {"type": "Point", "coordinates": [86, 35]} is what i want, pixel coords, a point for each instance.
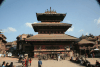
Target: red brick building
{"type": "Point", "coordinates": [2, 43]}
{"type": "Point", "coordinates": [51, 38]}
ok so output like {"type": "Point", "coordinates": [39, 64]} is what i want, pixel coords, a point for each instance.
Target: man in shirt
{"type": "Point", "coordinates": [39, 63]}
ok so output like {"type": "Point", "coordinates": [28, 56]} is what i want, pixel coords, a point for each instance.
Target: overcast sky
{"type": "Point", "coordinates": [16, 16]}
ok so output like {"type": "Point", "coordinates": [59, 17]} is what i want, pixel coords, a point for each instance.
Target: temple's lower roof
{"type": "Point", "coordinates": [51, 37]}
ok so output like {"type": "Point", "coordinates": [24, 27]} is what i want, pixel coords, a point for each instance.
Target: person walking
{"type": "Point", "coordinates": [39, 63]}
{"type": "Point", "coordinates": [30, 60]}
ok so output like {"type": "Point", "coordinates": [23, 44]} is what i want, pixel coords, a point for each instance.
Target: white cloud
{"type": "Point", "coordinates": [9, 29]}
{"type": "Point", "coordinates": [70, 29]}
{"type": "Point", "coordinates": [97, 21]}
{"type": "Point", "coordinates": [35, 22]}
{"type": "Point", "coordinates": [28, 24]}
{"type": "Point", "coordinates": [87, 33]}
{"type": "Point", "coordinates": [68, 21]}
{"type": "Point", "coordinates": [80, 30]}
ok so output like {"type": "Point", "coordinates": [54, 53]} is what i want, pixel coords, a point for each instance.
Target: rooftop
{"type": "Point", "coordinates": [84, 41]}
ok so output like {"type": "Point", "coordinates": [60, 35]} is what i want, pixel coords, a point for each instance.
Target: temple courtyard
{"type": "Point", "coordinates": [45, 63]}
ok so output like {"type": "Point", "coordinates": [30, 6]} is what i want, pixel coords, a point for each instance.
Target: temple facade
{"type": "Point", "coordinates": [51, 39]}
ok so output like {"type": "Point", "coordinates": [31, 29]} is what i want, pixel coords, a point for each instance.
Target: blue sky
{"type": "Point", "coordinates": [16, 16]}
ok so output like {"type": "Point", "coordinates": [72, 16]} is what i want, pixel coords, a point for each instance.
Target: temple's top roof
{"type": "Point", "coordinates": [50, 16]}
{"type": "Point", "coordinates": [84, 41]}
{"type": "Point", "coordinates": [52, 37]}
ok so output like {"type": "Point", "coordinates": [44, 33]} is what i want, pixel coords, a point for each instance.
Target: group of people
{"type": "Point", "coordinates": [4, 64]}
{"type": "Point", "coordinates": [25, 62]}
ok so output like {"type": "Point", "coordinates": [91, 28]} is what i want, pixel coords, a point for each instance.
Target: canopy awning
{"type": "Point", "coordinates": [96, 49]}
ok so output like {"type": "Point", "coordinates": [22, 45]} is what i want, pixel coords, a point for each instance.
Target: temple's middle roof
{"type": "Point", "coordinates": [51, 37]}
{"type": "Point", "coordinates": [51, 24]}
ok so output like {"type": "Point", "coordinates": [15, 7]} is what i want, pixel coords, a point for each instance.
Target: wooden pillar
{"type": "Point", "coordinates": [80, 52]}
{"type": "Point", "coordinates": [85, 54]}
{"type": "Point", "coordinates": [89, 49]}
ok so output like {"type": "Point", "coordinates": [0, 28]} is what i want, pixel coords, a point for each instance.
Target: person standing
{"type": "Point", "coordinates": [39, 63]}
{"type": "Point", "coordinates": [11, 64]}
{"type": "Point", "coordinates": [7, 65]}
{"type": "Point", "coordinates": [4, 55]}
{"type": "Point", "coordinates": [4, 64]}
{"type": "Point", "coordinates": [25, 62]}
{"type": "Point", "coordinates": [91, 55]}
{"type": "Point", "coordinates": [58, 57]}
{"type": "Point", "coordinates": [30, 61]}
{"type": "Point", "coordinates": [18, 54]}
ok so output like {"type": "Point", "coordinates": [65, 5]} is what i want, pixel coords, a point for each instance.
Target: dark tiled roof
{"type": "Point", "coordinates": [84, 41]}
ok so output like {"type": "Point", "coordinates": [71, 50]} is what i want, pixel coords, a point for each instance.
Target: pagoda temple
{"type": "Point", "coordinates": [51, 39]}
